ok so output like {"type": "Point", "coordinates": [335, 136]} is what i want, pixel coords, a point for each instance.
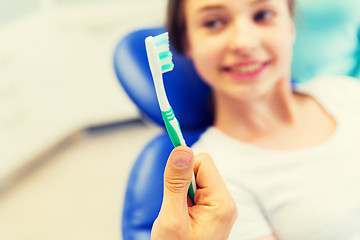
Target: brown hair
{"type": "Point", "coordinates": [176, 26]}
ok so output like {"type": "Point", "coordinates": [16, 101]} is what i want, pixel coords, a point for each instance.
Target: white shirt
{"type": "Point", "coordinates": [305, 194]}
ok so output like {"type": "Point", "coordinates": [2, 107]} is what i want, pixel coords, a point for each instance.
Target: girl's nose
{"type": "Point", "coordinates": [243, 38]}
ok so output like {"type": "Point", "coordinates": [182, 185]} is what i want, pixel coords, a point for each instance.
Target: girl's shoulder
{"type": "Point", "coordinates": [336, 93]}
{"type": "Point", "coordinates": [331, 81]}
{"type": "Point", "coordinates": [336, 85]}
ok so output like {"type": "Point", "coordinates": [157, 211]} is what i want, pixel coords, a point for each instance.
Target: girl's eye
{"type": "Point", "coordinates": [213, 24]}
{"type": "Point", "coordinates": [263, 16]}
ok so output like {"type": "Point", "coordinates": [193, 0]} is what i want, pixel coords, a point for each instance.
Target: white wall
{"type": "Point", "coordinates": [56, 74]}
{"type": "Point", "coordinates": [14, 9]}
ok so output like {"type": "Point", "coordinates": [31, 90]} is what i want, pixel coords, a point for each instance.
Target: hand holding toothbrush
{"type": "Point", "coordinates": [214, 211]}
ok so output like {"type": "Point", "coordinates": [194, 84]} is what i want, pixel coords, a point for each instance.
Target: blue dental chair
{"type": "Point", "coordinates": [189, 98]}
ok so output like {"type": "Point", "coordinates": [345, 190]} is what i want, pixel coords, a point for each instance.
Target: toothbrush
{"type": "Point", "coordinates": [160, 61]}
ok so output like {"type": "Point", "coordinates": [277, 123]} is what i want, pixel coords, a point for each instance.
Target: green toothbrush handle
{"type": "Point", "coordinates": [173, 128]}
{"type": "Point", "coordinates": [192, 190]}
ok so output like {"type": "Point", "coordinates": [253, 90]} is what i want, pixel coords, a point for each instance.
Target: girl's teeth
{"type": "Point", "coordinates": [246, 69]}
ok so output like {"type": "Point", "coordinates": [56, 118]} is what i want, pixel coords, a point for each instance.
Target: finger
{"type": "Point", "coordinates": [177, 178]}
{"type": "Point", "coordinates": [207, 175]}
{"type": "Point", "coordinates": [208, 180]}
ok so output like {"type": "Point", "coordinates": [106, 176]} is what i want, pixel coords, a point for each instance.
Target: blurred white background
{"type": "Point", "coordinates": [56, 74]}
{"type": "Point", "coordinates": [57, 79]}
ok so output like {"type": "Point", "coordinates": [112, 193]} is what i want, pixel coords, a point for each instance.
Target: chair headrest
{"type": "Point", "coordinates": [188, 95]}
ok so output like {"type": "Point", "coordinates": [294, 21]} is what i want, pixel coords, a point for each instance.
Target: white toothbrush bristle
{"type": "Point", "coordinates": [163, 49]}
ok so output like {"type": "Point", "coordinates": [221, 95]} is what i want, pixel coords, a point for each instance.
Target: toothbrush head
{"type": "Point", "coordinates": [163, 48]}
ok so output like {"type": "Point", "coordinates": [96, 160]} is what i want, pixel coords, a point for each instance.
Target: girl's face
{"type": "Point", "coordinates": [241, 48]}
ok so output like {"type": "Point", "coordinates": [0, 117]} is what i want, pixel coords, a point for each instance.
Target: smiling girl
{"type": "Point", "coordinates": [288, 156]}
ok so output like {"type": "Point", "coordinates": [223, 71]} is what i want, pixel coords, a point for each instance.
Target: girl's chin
{"type": "Point", "coordinates": [247, 92]}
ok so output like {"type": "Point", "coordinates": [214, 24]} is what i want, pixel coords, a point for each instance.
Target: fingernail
{"type": "Point", "coordinates": [181, 159]}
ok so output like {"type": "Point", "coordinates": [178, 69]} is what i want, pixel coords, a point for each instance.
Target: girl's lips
{"type": "Point", "coordinates": [249, 70]}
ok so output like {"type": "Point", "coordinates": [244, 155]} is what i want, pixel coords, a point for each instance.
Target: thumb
{"type": "Point", "coordinates": [177, 177]}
